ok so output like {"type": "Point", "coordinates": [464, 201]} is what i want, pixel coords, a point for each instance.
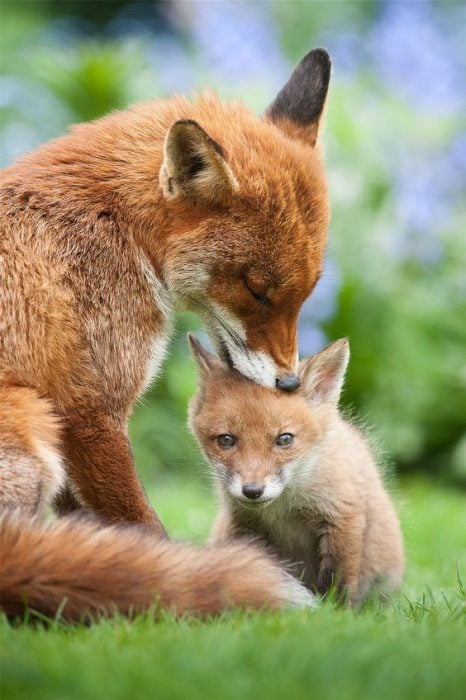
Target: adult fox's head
{"type": "Point", "coordinates": [248, 202]}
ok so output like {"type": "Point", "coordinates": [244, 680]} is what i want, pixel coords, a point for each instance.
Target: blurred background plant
{"type": "Point", "coordinates": [395, 142]}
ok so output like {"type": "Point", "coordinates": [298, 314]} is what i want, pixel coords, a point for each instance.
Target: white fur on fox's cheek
{"type": "Point", "coordinates": [255, 365]}
{"type": "Point", "coordinates": [236, 486]}
{"type": "Point", "coordinates": [273, 489]}
{"type": "Point", "coordinates": [298, 473]}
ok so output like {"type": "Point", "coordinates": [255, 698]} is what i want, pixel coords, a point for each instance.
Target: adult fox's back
{"type": "Point", "coordinates": [104, 232]}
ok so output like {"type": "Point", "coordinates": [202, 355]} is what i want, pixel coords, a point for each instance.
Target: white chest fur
{"type": "Point", "coordinates": [291, 529]}
{"type": "Point", "coordinates": [159, 344]}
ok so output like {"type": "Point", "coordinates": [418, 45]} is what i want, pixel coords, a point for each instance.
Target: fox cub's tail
{"type": "Point", "coordinates": [83, 569]}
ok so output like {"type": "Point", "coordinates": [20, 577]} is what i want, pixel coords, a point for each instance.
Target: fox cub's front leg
{"type": "Point", "coordinates": [340, 554]}
{"type": "Point", "coordinates": [226, 529]}
{"type": "Point", "coordinates": [102, 472]}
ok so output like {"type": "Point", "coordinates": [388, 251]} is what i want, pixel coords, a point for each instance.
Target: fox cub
{"type": "Point", "coordinates": [292, 470]}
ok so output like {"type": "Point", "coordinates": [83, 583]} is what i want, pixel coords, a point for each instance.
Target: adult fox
{"type": "Point", "coordinates": [106, 231]}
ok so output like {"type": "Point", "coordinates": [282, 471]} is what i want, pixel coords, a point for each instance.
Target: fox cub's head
{"type": "Point", "coordinates": [248, 202]}
{"type": "Point", "coordinates": [259, 440]}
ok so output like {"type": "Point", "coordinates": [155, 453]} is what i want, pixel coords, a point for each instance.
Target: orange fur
{"type": "Point", "coordinates": [169, 204]}
{"type": "Point", "coordinates": [84, 571]}
{"type": "Point", "coordinates": [32, 472]}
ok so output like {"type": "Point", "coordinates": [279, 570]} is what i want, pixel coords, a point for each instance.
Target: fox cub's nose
{"type": "Point", "coordinates": [253, 490]}
{"type": "Point", "coordinates": [288, 382]}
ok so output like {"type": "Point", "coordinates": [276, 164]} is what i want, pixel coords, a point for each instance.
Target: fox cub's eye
{"type": "Point", "coordinates": [226, 440]}
{"type": "Point", "coordinates": [284, 440]}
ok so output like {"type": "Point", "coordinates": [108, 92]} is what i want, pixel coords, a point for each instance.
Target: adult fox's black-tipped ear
{"type": "Point", "coordinates": [298, 107]}
{"type": "Point", "coordinates": [194, 166]}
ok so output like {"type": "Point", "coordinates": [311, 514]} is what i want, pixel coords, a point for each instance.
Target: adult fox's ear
{"type": "Point", "coordinates": [194, 166]}
{"type": "Point", "coordinates": [323, 374]}
{"type": "Point", "coordinates": [205, 360]}
{"type": "Point", "coordinates": [298, 107]}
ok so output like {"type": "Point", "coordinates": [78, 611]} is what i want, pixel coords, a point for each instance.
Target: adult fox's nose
{"type": "Point", "coordinates": [252, 490]}
{"type": "Point", "coordinates": [288, 382]}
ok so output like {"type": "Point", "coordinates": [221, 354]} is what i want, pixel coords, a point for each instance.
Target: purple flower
{"type": "Point", "coordinates": [322, 303]}
{"type": "Point", "coordinates": [457, 154]}
{"type": "Point", "coordinates": [311, 339]}
{"type": "Point", "coordinates": [410, 50]}
{"type": "Point", "coordinates": [346, 50]}
{"type": "Point", "coordinates": [427, 192]}
{"type": "Point", "coordinates": [174, 67]}
{"type": "Point", "coordinates": [239, 41]}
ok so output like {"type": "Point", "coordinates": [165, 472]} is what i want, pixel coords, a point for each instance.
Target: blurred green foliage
{"type": "Point", "coordinates": [400, 293]}
{"type": "Point", "coordinates": [405, 314]}
{"type": "Point", "coordinates": [160, 437]}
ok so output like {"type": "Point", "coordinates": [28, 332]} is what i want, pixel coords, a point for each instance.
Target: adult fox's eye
{"type": "Point", "coordinates": [226, 440]}
{"type": "Point", "coordinates": [258, 295]}
{"type": "Point", "coordinates": [284, 440]}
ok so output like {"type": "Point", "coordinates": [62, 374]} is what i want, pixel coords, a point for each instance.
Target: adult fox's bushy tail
{"type": "Point", "coordinates": [83, 569]}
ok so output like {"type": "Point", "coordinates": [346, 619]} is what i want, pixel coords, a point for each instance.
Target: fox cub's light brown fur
{"type": "Point", "coordinates": [171, 204]}
{"type": "Point", "coordinates": [290, 469]}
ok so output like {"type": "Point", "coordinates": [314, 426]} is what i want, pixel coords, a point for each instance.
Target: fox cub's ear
{"type": "Point", "coordinates": [323, 374]}
{"type": "Point", "coordinates": [206, 362]}
{"type": "Point", "coordinates": [194, 165]}
{"type": "Point", "coordinates": [298, 107]}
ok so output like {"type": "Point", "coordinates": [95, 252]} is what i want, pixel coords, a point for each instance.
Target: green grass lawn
{"type": "Point", "coordinates": [414, 647]}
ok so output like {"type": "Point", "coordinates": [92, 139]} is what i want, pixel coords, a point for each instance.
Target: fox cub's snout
{"type": "Point", "coordinates": [259, 440]}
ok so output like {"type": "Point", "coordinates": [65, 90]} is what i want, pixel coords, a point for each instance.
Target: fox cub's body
{"type": "Point", "coordinates": [290, 469]}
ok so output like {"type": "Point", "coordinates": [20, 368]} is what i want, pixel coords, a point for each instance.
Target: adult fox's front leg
{"type": "Point", "coordinates": [102, 471]}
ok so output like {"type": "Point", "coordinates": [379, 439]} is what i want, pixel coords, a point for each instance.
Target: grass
{"type": "Point", "coordinates": [414, 647]}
